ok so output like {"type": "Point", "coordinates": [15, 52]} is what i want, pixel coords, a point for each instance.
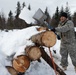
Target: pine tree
{"type": "Point", "coordinates": [57, 13]}
{"type": "Point", "coordinates": [10, 24]}
{"type": "Point", "coordinates": [2, 21]}
{"type": "Point", "coordinates": [10, 15]}
{"type": "Point", "coordinates": [23, 5]}
{"type": "Point", "coordinates": [48, 16]}
{"type": "Point", "coordinates": [62, 10]}
{"type": "Point", "coordinates": [67, 10]}
{"type": "Point", "coordinates": [74, 19]}
{"type": "Point", "coordinates": [55, 18]}
{"type": "Point", "coordinates": [18, 9]}
{"type": "Point", "coordinates": [29, 7]}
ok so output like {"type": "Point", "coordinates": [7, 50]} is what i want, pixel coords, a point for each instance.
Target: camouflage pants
{"type": "Point", "coordinates": [64, 51]}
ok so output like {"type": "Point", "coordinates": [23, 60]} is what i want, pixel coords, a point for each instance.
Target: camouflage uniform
{"type": "Point", "coordinates": [68, 41]}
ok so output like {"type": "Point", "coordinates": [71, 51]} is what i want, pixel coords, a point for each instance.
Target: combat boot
{"type": "Point", "coordinates": [75, 69]}
{"type": "Point", "coordinates": [64, 68]}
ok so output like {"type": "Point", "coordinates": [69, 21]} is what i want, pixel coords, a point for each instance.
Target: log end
{"type": "Point", "coordinates": [21, 63]}
{"type": "Point", "coordinates": [11, 70]}
{"type": "Point", "coordinates": [33, 52]}
{"type": "Point", "coordinates": [49, 39]}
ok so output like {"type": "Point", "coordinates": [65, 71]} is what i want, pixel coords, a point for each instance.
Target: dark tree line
{"type": "Point", "coordinates": [55, 19]}
{"type": "Point", "coordinates": [14, 22]}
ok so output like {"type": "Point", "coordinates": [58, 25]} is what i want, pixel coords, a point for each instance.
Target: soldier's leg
{"type": "Point", "coordinates": [72, 53]}
{"type": "Point", "coordinates": [64, 57]}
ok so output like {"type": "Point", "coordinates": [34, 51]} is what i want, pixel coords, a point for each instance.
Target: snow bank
{"type": "Point", "coordinates": [27, 15]}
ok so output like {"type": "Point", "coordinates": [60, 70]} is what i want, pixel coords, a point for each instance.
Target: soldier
{"type": "Point", "coordinates": [66, 28]}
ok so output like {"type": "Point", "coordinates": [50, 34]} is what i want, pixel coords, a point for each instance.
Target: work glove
{"type": "Point", "coordinates": [58, 37]}
{"type": "Point", "coordinates": [53, 29]}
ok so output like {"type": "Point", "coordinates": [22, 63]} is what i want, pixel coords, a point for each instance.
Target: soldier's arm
{"type": "Point", "coordinates": [68, 26]}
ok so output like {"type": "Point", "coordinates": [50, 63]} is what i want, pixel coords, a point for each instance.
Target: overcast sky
{"type": "Point", "coordinates": [7, 5]}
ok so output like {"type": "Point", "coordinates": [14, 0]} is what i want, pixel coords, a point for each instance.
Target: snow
{"type": "Point", "coordinates": [27, 15]}
{"type": "Point", "coordinates": [15, 41]}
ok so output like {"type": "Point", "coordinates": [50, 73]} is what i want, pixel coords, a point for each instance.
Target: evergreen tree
{"type": "Point", "coordinates": [74, 19]}
{"type": "Point", "coordinates": [62, 10]}
{"type": "Point", "coordinates": [2, 21]}
{"type": "Point", "coordinates": [10, 15]}
{"type": "Point", "coordinates": [10, 24]}
{"type": "Point", "coordinates": [48, 16]}
{"type": "Point", "coordinates": [55, 18]}
{"type": "Point", "coordinates": [67, 10]}
{"type": "Point", "coordinates": [57, 13]}
{"type": "Point", "coordinates": [18, 9]}
{"type": "Point", "coordinates": [29, 7]}
{"type": "Point", "coordinates": [23, 5]}
{"type": "Point", "coordinates": [46, 11]}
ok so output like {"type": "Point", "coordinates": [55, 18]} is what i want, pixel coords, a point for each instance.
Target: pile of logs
{"type": "Point", "coordinates": [11, 70]}
{"type": "Point", "coordinates": [47, 38]}
{"type": "Point", "coordinates": [22, 62]}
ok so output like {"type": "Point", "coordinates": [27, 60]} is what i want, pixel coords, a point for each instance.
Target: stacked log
{"type": "Point", "coordinates": [47, 38]}
{"type": "Point", "coordinates": [21, 63]}
{"type": "Point", "coordinates": [42, 28]}
{"type": "Point", "coordinates": [11, 70]}
{"type": "Point", "coordinates": [33, 52]}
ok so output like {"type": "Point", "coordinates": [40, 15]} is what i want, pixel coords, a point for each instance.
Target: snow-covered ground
{"type": "Point", "coordinates": [15, 41]}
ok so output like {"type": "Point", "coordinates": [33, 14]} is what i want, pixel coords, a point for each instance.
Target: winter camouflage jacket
{"type": "Point", "coordinates": [67, 31]}
{"type": "Point", "coordinates": [68, 42]}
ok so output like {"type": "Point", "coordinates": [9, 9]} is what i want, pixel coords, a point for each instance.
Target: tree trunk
{"type": "Point", "coordinates": [47, 38]}
{"type": "Point", "coordinates": [33, 52]}
{"type": "Point", "coordinates": [49, 61]}
{"type": "Point", "coordinates": [21, 63]}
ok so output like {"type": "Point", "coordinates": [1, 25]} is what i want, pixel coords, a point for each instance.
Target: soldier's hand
{"type": "Point", "coordinates": [58, 37]}
{"type": "Point", "coordinates": [53, 30]}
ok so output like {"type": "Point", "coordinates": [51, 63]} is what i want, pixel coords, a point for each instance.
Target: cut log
{"type": "Point", "coordinates": [47, 38]}
{"type": "Point", "coordinates": [21, 63]}
{"type": "Point", "coordinates": [33, 52]}
{"type": "Point", "coordinates": [42, 28]}
{"type": "Point", "coordinates": [11, 70]}
{"type": "Point", "coordinates": [49, 61]}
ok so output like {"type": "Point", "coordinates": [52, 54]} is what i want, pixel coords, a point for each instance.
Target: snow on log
{"type": "Point", "coordinates": [47, 38]}
{"type": "Point", "coordinates": [21, 63]}
{"type": "Point", "coordinates": [33, 52]}
{"type": "Point", "coordinates": [42, 28]}
{"type": "Point", "coordinates": [11, 70]}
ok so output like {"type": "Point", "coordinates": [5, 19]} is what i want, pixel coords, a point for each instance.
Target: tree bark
{"type": "Point", "coordinates": [47, 38]}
